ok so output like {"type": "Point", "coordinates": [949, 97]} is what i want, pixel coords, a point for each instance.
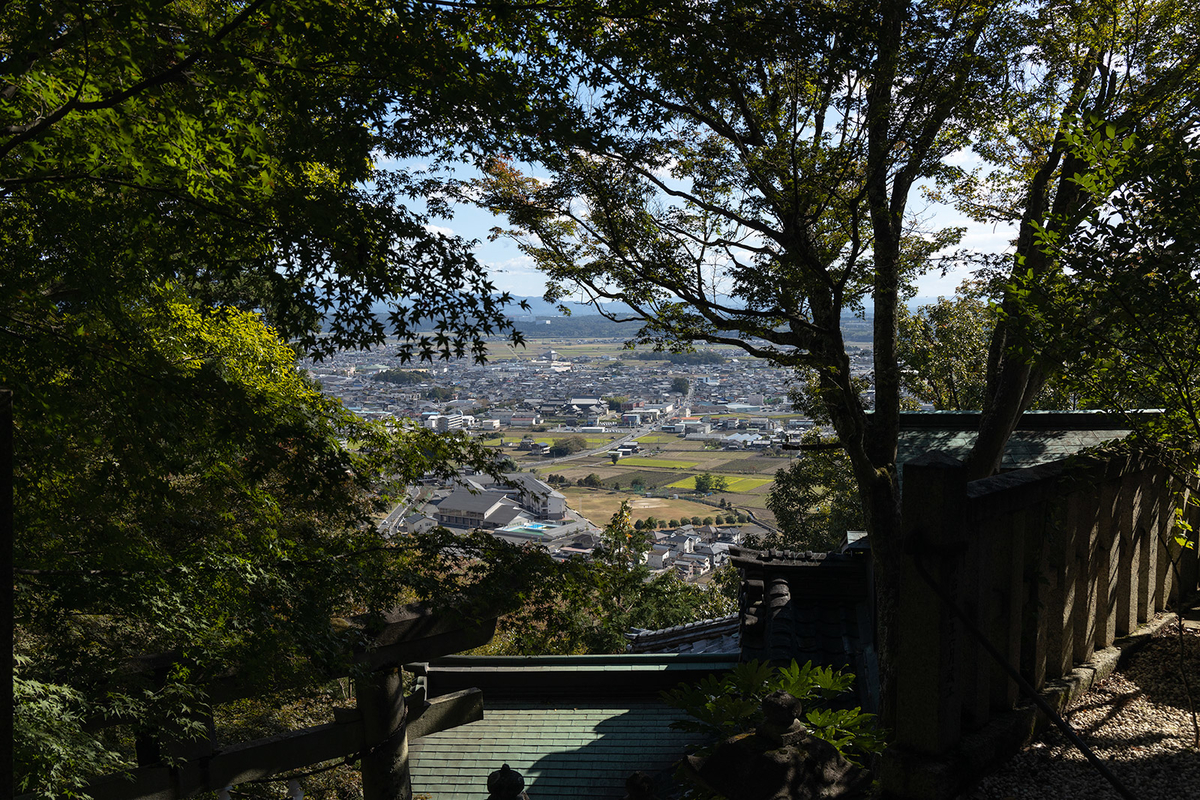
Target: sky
{"type": "Point", "coordinates": [512, 271]}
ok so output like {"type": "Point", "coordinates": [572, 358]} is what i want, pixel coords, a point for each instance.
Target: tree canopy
{"type": "Point", "coordinates": [186, 187]}
{"type": "Point", "coordinates": [747, 177]}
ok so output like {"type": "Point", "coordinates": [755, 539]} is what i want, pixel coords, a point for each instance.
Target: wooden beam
{"type": "Point", "coordinates": [263, 758]}
{"type": "Point", "coordinates": [445, 712]}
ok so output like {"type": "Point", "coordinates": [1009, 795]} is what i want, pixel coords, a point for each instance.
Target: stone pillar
{"type": "Point", "coordinates": [1085, 520]}
{"type": "Point", "coordinates": [1129, 507]}
{"type": "Point", "coordinates": [1064, 567]}
{"type": "Point", "coordinates": [385, 767]}
{"type": "Point", "coordinates": [929, 652]}
{"type": "Point", "coordinates": [1109, 564]}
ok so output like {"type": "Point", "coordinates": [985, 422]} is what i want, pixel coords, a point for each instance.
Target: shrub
{"type": "Point", "coordinates": [730, 705]}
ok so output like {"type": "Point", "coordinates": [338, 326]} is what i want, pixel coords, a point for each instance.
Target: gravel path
{"type": "Point", "coordinates": [1137, 721]}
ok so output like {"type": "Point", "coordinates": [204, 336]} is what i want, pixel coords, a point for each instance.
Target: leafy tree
{"type": "Point", "coordinates": [400, 377]}
{"type": "Point", "coordinates": [614, 401]}
{"type": "Point", "coordinates": [592, 480]}
{"type": "Point", "coordinates": [567, 446]}
{"type": "Point", "coordinates": [943, 348]}
{"type": "Point", "coordinates": [673, 523]}
{"type": "Point", "coordinates": [1137, 266]}
{"type": "Point", "coordinates": [153, 525]}
{"type": "Point", "coordinates": [815, 499]}
{"type": "Point", "coordinates": [681, 385]}
{"type": "Point", "coordinates": [749, 195]}
{"type": "Point", "coordinates": [720, 484]}
{"type": "Point", "coordinates": [708, 520]}
{"type": "Point", "coordinates": [703, 483]}
{"type": "Point", "coordinates": [583, 606]}
{"type": "Point", "coordinates": [695, 521]}
{"type": "Point", "coordinates": [165, 169]}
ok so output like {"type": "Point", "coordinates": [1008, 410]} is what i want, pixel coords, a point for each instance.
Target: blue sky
{"type": "Point", "coordinates": [512, 271]}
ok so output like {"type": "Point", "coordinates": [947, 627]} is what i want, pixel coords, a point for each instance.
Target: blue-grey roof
{"type": "Point", "coordinates": [563, 749]}
{"type": "Point", "coordinates": [573, 726]}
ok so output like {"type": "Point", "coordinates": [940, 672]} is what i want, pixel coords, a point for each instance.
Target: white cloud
{"type": "Point", "coordinates": [440, 229]}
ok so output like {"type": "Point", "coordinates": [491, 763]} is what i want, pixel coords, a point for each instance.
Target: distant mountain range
{"type": "Point", "coordinates": [544, 320]}
{"type": "Point", "coordinates": [540, 308]}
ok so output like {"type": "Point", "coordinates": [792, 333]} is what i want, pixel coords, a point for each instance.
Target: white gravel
{"type": "Point", "coordinates": [1137, 721]}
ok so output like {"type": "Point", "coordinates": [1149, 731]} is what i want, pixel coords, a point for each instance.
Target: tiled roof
{"type": "Point", "coordinates": [563, 750]}
{"type": "Point", "coordinates": [573, 726]}
{"type": "Point", "coordinates": [1041, 436]}
{"type": "Point", "coordinates": [706, 636]}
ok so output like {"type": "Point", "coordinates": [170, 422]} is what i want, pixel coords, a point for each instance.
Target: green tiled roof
{"type": "Point", "coordinates": [564, 750]}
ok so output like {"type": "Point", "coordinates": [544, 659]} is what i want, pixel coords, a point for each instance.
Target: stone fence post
{"type": "Point", "coordinates": [929, 653]}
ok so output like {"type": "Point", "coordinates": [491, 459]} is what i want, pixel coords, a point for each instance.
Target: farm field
{"type": "Point", "coordinates": [734, 483]}
{"type": "Point", "coordinates": [665, 463]}
{"type": "Point", "coordinates": [599, 505]}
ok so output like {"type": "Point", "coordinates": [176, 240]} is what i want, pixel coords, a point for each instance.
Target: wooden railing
{"type": "Point", "coordinates": [1050, 565]}
{"type": "Point", "coordinates": [375, 732]}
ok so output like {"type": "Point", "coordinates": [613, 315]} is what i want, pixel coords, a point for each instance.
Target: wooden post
{"type": "Point", "coordinates": [929, 652]}
{"type": "Point", "coordinates": [385, 773]}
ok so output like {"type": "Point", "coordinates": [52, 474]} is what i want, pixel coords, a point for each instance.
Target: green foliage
{"type": "Point", "coordinates": [943, 349]}
{"type": "Point", "coordinates": [681, 385]}
{"type": "Point", "coordinates": [588, 606]}
{"type": "Point", "coordinates": [567, 446]}
{"type": "Point", "coordinates": [815, 499]}
{"type": "Point", "coordinates": [166, 169]}
{"type": "Point", "coordinates": [253, 180]}
{"type": "Point", "coordinates": [694, 358]}
{"type": "Point", "coordinates": [49, 742]}
{"type": "Point", "coordinates": [706, 482]}
{"type": "Point", "coordinates": [725, 706]}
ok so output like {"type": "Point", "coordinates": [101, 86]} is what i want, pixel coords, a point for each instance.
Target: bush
{"type": "Point", "coordinates": [708, 520]}
{"type": "Point", "coordinates": [673, 523]}
{"type": "Point", "coordinates": [696, 521]}
{"type": "Point", "coordinates": [728, 706]}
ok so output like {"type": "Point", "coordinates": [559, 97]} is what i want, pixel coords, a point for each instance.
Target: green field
{"type": "Point", "coordinates": [734, 483]}
{"type": "Point", "coordinates": [659, 438]}
{"type": "Point", "coordinates": [664, 463]}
